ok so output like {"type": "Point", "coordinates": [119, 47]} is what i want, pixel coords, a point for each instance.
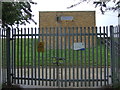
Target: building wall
{"type": "Point", "coordinates": [79, 19]}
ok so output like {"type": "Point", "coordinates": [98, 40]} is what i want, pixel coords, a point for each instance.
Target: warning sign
{"type": "Point", "coordinates": [41, 47]}
{"type": "Point", "coordinates": [79, 46]}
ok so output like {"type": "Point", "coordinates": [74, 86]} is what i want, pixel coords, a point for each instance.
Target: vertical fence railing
{"type": "Point", "coordinates": [85, 77]}
{"type": "Point", "coordinates": [4, 61]}
{"type": "Point", "coordinates": [8, 56]}
{"type": "Point", "coordinates": [79, 68]}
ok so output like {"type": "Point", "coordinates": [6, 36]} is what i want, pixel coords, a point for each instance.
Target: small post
{"type": "Point", "coordinates": [8, 56]}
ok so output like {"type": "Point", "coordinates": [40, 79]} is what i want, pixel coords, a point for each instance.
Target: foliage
{"type": "Point", "coordinates": [102, 4]}
{"type": "Point", "coordinates": [16, 13]}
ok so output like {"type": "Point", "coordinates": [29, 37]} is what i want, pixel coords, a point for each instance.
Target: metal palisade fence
{"type": "Point", "coordinates": [60, 56]}
{"type": "Point", "coordinates": [115, 55]}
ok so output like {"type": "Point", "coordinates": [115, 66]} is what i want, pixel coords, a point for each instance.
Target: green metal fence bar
{"type": "Point", "coordinates": [21, 57]}
{"type": "Point", "coordinates": [114, 56]}
{"type": "Point", "coordinates": [64, 34]}
{"type": "Point", "coordinates": [32, 57]}
{"type": "Point", "coordinates": [3, 55]}
{"type": "Point", "coordinates": [73, 57]}
{"type": "Point", "coordinates": [50, 51]}
{"type": "Point", "coordinates": [42, 57]}
{"type": "Point", "coordinates": [111, 52]}
{"type": "Point", "coordinates": [8, 56]}
{"type": "Point", "coordinates": [77, 74]}
{"type": "Point", "coordinates": [61, 46]}
{"type": "Point", "coordinates": [38, 57]}
{"type": "Point", "coordinates": [104, 29]}
{"type": "Point", "coordinates": [117, 62]}
{"type": "Point", "coordinates": [118, 54]}
{"type": "Point", "coordinates": [15, 55]}
{"type": "Point", "coordinates": [81, 56]}
{"type": "Point", "coordinates": [69, 66]}
{"type": "Point", "coordinates": [25, 55]}
{"type": "Point", "coordinates": [107, 65]}
{"type": "Point", "coordinates": [96, 56]}
{"type": "Point", "coordinates": [28, 60]}
{"type": "Point", "coordinates": [46, 53]}
{"type": "Point", "coordinates": [18, 56]}
{"type": "Point", "coordinates": [65, 29]}
{"type": "Point", "coordinates": [54, 72]}
{"type": "Point", "coordinates": [35, 59]}
{"type": "Point", "coordinates": [57, 55]}
{"type": "Point", "coordinates": [100, 57]}
{"type": "Point", "coordinates": [89, 56]}
{"type": "Point", "coordinates": [118, 41]}
{"type": "Point", "coordinates": [85, 62]}
{"type": "Point", "coordinates": [75, 80]}
{"type": "Point", "coordinates": [12, 57]}
{"type": "Point", "coordinates": [93, 56]}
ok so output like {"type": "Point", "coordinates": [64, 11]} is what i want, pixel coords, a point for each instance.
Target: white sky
{"type": "Point", "coordinates": [110, 18]}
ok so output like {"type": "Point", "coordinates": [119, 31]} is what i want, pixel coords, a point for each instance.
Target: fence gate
{"type": "Point", "coordinates": [60, 57]}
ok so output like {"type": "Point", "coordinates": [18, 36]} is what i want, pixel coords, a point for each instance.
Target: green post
{"type": "Point", "coordinates": [119, 54]}
{"type": "Point", "coordinates": [111, 54]}
{"type": "Point", "coordinates": [8, 56]}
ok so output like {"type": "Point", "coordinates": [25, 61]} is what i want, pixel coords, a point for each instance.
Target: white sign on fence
{"type": "Point", "coordinates": [79, 46]}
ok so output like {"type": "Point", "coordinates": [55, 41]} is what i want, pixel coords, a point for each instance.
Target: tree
{"type": "Point", "coordinates": [102, 4]}
{"type": "Point", "coordinates": [16, 13]}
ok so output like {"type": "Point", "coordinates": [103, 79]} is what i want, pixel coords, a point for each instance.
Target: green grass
{"type": "Point", "coordinates": [27, 55]}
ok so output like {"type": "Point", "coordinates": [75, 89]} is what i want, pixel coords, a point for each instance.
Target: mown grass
{"type": "Point", "coordinates": [26, 54]}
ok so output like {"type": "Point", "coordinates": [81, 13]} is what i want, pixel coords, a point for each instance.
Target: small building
{"type": "Point", "coordinates": [68, 19]}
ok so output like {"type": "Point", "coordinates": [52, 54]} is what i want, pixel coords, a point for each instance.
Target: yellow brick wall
{"type": "Point", "coordinates": [80, 19]}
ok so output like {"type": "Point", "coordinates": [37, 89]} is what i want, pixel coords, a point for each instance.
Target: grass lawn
{"type": "Point", "coordinates": [26, 54]}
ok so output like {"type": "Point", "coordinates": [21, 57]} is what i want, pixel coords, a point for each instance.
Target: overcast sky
{"type": "Point", "coordinates": [110, 18]}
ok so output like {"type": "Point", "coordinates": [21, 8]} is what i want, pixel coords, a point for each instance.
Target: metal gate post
{"type": "Point", "coordinates": [111, 53]}
{"type": "Point", "coordinates": [119, 54]}
{"type": "Point", "coordinates": [8, 55]}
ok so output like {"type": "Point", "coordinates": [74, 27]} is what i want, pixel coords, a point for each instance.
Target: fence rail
{"type": "Point", "coordinates": [60, 57]}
